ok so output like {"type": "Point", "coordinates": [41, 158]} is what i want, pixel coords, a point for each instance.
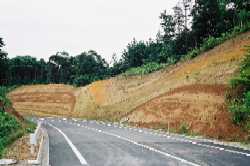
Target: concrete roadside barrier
{"type": "Point", "coordinates": [43, 153]}
{"type": "Point", "coordinates": [7, 161]}
{"type": "Point", "coordinates": [39, 137]}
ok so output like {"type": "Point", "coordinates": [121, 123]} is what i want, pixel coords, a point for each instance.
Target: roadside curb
{"type": "Point", "coordinates": [42, 158]}
{"type": "Point", "coordinates": [238, 145]}
{"type": "Point", "coordinates": [7, 161]}
{"type": "Point", "coordinates": [43, 154]}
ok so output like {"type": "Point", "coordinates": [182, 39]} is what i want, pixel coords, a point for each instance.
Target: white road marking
{"type": "Point", "coordinates": [147, 147]}
{"type": "Point", "coordinates": [195, 143]}
{"type": "Point", "coordinates": [74, 149]}
{"type": "Point", "coordinates": [183, 140]}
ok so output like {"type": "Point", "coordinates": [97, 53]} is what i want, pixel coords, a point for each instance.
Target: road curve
{"type": "Point", "coordinates": [80, 142]}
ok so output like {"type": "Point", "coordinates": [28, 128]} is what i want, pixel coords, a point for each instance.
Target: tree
{"type": "Point", "coordinates": [168, 25]}
{"type": "Point", "coordinates": [187, 6]}
{"type": "Point", "coordinates": [23, 70]}
{"type": "Point", "coordinates": [179, 18]}
{"type": "Point", "coordinates": [242, 9]}
{"type": "Point", "coordinates": [183, 43]}
{"type": "Point", "coordinates": [88, 67]}
{"type": "Point", "coordinates": [60, 66]}
{"type": "Point", "coordinates": [206, 19]}
{"type": "Point", "coordinates": [135, 54]}
{"type": "Point", "coordinates": [3, 64]}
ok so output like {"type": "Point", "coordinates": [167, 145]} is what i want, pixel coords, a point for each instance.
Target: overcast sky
{"type": "Point", "coordinates": [42, 27]}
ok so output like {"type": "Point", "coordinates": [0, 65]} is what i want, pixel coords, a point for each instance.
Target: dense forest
{"type": "Point", "coordinates": [193, 28]}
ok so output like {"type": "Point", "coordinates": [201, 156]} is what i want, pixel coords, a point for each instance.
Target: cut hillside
{"type": "Point", "coordinates": [43, 99]}
{"type": "Point", "coordinates": [190, 93]}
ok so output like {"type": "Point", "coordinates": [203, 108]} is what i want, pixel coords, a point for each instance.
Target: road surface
{"type": "Point", "coordinates": [80, 142]}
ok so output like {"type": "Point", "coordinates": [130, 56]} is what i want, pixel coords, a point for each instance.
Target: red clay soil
{"type": "Point", "coordinates": [186, 106]}
{"type": "Point", "coordinates": [218, 90]}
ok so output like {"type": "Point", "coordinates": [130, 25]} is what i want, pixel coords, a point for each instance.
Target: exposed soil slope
{"type": "Point", "coordinates": [43, 99]}
{"type": "Point", "coordinates": [199, 107]}
{"type": "Point", "coordinates": [191, 92]}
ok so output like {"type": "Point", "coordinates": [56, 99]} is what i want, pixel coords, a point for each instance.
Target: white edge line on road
{"type": "Point", "coordinates": [74, 149]}
{"type": "Point", "coordinates": [147, 147]}
{"type": "Point", "coordinates": [192, 142]}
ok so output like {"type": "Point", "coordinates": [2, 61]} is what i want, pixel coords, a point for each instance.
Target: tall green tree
{"type": "Point", "coordinates": [23, 70]}
{"type": "Point", "coordinates": [206, 20]}
{"type": "Point", "coordinates": [135, 54]}
{"type": "Point", "coordinates": [168, 26]}
{"type": "Point", "coordinates": [60, 67]}
{"type": "Point", "coordinates": [89, 66]}
{"type": "Point", "coordinates": [3, 64]}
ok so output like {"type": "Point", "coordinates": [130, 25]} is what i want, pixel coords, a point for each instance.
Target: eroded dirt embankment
{"type": "Point", "coordinates": [189, 93]}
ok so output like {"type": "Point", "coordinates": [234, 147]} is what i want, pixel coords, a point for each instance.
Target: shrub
{"type": "Point", "coordinates": [144, 69]}
{"type": "Point", "coordinates": [192, 54]}
{"type": "Point", "coordinates": [239, 111]}
{"type": "Point", "coordinates": [210, 43]}
{"type": "Point", "coordinates": [243, 78]}
{"type": "Point", "coordinates": [83, 80]}
{"type": "Point", "coordinates": [3, 99]}
{"type": "Point", "coordinates": [239, 97]}
{"type": "Point", "coordinates": [184, 128]}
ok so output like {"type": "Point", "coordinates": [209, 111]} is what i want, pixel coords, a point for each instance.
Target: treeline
{"type": "Point", "coordinates": [194, 27]}
{"type": "Point", "coordinates": [61, 68]}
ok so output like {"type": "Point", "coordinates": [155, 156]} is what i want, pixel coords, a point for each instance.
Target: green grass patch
{"type": "Point", "coordinates": [239, 96]}
{"type": "Point", "coordinates": [144, 69]}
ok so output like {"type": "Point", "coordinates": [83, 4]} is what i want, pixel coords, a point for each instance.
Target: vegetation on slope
{"type": "Point", "coordinates": [212, 21]}
{"type": "Point", "coordinates": [212, 42]}
{"type": "Point", "coordinates": [144, 69]}
{"type": "Point", "coordinates": [207, 45]}
{"type": "Point", "coordinates": [239, 97]}
{"type": "Point", "coordinates": [11, 128]}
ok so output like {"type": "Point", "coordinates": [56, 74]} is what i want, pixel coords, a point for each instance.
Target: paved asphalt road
{"type": "Point", "coordinates": [77, 142]}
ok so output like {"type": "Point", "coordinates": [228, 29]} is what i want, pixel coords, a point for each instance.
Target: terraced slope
{"type": "Point", "coordinates": [188, 93]}
{"type": "Point", "coordinates": [43, 99]}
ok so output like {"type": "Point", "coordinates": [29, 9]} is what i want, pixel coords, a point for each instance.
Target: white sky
{"type": "Point", "coordinates": [40, 28]}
